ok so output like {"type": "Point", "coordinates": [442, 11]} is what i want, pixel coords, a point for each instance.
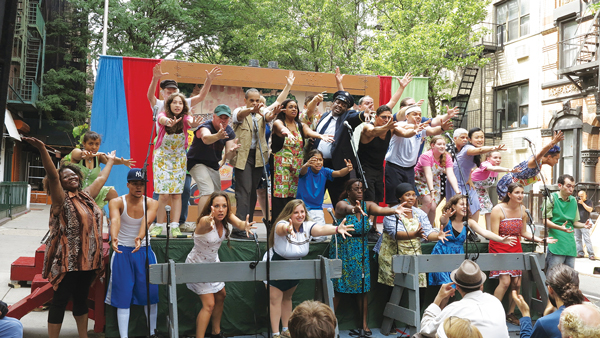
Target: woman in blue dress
{"type": "Point", "coordinates": [354, 251]}
{"type": "Point", "coordinates": [455, 212]}
{"type": "Point", "coordinates": [530, 168]}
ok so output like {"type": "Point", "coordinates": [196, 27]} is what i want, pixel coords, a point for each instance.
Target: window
{"type": "Point", "coordinates": [570, 156]}
{"type": "Point", "coordinates": [512, 18]}
{"type": "Point", "coordinates": [512, 107]}
{"type": "Point", "coordinates": [569, 44]}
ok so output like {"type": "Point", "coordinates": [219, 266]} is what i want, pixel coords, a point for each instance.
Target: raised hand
{"type": "Point", "coordinates": [319, 98]}
{"type": "Point", "coordinates": [362, 212]}
{"type": "Point", "coordinates": [211, 217]}
{"type": "Point", "coordinates": [405, 80]}
{"type": "Point", "coordinates": [111, 155]}
{"type": "Point", "coordinates": [348, 164]}
{"type": "Point", "coordinates": [290, 228]}
{"type": "Point", "coordinates": [114, 243]}
{"type": "Point", "coordinates": [157, 71]}
{"type": "Point", "coordinates": [338, 75]}
{"type": "Point", "coordinates": [515, 170]}
{"type": "Point", "coordinates": [343, 229]}
{"type": "Point", "coordinates": [196, 120]}
{"type": "Point", "coordinates": [171, 122]}
{"type": "Point", "coordinates": [256, 109]}
{"type": "Point", "coordinates": [422, 126]}
{"type": "Point", "coordinates": [34, 142]}
{"type": "Point", "coordinates": [447, 125]}
{"type": "Point", "coordinates": [288, 133]}
{"type": "Point", "coordinates": [401, 210]}
{"type": "Point", "coordinates": [277, 110]}
{"type": "Point", "coordinates": [213, 73]}
{"type": "Point", "coordinates": [442, 235]}
{"type": "Point", "coordinates": [501, 147]}
{"type": "Point", "coordinates": [327, 138]}
{"type": "Point", "coordinates": [451, 112]}
{"type": "Point", "coordinates": [448, 213]}
{"type": "Point", "coordinates": [565, 229]}
{"type": "Point", "coordinates": [558, 136]}
{"type": "Point", "coordinates": [222, 134]}
{"type": "Point", "coordinates": [236, 144]}
{"type": "Point", "coordinates": [512, 241]}
{"type": "Point", "coordinates": [128, 162]}
{"type": "Point", "coordinates": [419, 233]}
{"type": "Point", "coordinates": [249, 226]}
{"type": "Point", "coordinates": [420, 102]}
{"type": "Point", "coordinates": [446, 291]}
{"type": "Point", "coordinates": [521, 304]}
{"type": "Point", "coordinates": [290, 78]}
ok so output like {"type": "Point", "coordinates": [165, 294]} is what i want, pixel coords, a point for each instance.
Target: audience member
{"type": "Point", "coordinates": [582, 235]}
{"type": "Point", "coordinates": [562, 216]}
{"type": "Point", "coordinates": [12, 327]}
{"type": "Point", "coordinates": [455, 327]}
{"type": "Point", "coordinates": [580, 321]}
{"type": "Point", "coordinates": [482, 309]}
{"type": "Point", "coordinates": [312, 319]}
{"type": "Point", "coordinates": [563, 291]}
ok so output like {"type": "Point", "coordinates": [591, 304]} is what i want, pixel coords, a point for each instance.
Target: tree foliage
{"type": "Point", "coordinates": [63, 95]}
{"type": "Point", "coordinates": [425, 37]}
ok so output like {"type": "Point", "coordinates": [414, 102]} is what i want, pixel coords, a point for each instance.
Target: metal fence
{"type": "Point", "coordinates": [13, 198]}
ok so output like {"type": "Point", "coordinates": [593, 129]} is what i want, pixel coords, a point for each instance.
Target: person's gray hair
{"type": "Point", "coordinates": [458, 132]}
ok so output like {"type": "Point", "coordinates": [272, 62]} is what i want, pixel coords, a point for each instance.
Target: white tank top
{"type": "Point", "coordinates": [129, 227]}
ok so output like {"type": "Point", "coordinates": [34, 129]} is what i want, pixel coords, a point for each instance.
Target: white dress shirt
{"type": "Point", "coordinates": [483, 310]}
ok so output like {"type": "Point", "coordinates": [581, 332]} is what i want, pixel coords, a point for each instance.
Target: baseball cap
{"type": "Point", "coordinates": [223, 109]}
{"type": "Point", "coordinates": [168, 84]}
{"type": "Point", "coordinates": [135, 174]}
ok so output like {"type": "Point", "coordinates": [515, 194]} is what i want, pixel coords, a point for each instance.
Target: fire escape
{"type": "Point", "coordinates": [483, 116]}
{"type": "Point", "coordinates": [27, 62]}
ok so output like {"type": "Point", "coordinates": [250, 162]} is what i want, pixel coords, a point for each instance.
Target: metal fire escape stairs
{"type": "Point", "coordinates": [461, 100]}
{"type": "Point", "coordinates": [587, 53]}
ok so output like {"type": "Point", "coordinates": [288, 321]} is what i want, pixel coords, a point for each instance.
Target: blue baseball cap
{"type": "Point", "coordinates": [135, 174]}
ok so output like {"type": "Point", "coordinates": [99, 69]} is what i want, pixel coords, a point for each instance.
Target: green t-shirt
{"type": "Point", "coordinates": [559, 213]}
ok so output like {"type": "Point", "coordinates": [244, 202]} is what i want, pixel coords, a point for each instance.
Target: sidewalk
{"type": "Point", "coordinates": [22, 236]}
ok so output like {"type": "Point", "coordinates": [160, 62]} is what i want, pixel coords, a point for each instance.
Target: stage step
{"type": "Point", "coordinates": [24, 269]}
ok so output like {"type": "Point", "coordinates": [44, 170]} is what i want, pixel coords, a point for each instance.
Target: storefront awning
{"type": "Point", "coordinates": [10, 126]}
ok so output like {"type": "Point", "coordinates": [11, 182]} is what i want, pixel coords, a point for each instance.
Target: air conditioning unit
{"type": "Point", "coordinates": [521, 52]}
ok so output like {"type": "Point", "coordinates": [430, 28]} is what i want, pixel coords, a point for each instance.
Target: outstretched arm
{"type": "Point", "coordinates": [96, 186]}
{"type": "Point", "coordinates": [338, 79]}
{"type": "Point", "coordinates": [156, 75]}
{"type": "Point", "coordinates": [115, 207]}
{"type": "Point", "coordinates": [403, 83]}
{"type": "Point", "coordinates": [558, 136]}
{"type": "Point", "coordinates": [56, 191]}
{"type": "Point", "coordinates": [210, 76]}
{"type": "Point", "coordinates": [284, 93]}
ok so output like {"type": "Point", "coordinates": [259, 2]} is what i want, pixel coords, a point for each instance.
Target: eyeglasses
{"type": "Point", "coordinates": [385, 117]}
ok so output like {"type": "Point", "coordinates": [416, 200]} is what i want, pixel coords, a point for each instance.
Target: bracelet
{"type": "Point", "coordinates": [336, 229]}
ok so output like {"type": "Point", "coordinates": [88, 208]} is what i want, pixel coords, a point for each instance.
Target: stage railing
{"type": "Point", "coordinates": [407, 269]}
{"type": "Point", "coordinates": [171, 274]}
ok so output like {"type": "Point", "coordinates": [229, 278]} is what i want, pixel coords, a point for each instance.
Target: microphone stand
{"type": "Point", "coordinates": [145, 178]}
{"type": "Point", "coordinates": [532, 227]}
{"type": "Point", "coordinates": [545, 193]}
{"type": "Point", "coordinates": [359, 170]}
{"type": "Point", "coordinates": [168, 210]}
{"type": "Point", "coordinates": [266, 221]}
{"type": "Point", "coordinates": [466, 218]}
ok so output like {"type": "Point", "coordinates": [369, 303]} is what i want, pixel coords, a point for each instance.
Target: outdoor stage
{"type": "Point", "coordinates": [246, 303]}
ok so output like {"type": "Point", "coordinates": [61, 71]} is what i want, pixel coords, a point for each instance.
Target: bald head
{"type": "Point", "coordinates": [580, 321]}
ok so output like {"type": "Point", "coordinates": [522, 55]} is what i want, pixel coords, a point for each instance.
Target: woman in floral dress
{"type": "Point", "coordinates": [509, 219]}
{"type": "Point", "coordinates": [170, 160]}
{"type": "Point", "coordinates": [354, 251]}
{"type": "Point", "coordinates": [287, 148]}
{"type": "Point", "coordinates": [431, 166]}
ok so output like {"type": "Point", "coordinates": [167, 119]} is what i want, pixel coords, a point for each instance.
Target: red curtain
{"type": "Point", "coordinates": [385, 89]}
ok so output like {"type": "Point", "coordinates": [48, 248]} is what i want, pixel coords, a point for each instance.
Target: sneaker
{"type": "Point", "coordinates": [276, 336]}
{"type": "Point", "coordinates": [175, 232]}
{"type": "Point", "coordinates": [218, 335]}
{"type": "Point", "coordinates": [286, 334]}
{"type": "Point", "coordinates": [156, 231]}
{"type": "Point", "coordinates": [188, 227]}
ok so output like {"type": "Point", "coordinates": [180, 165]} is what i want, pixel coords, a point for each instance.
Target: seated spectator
{"type": "Point", "coordinates": [580, 321]}
{"type": "Point", "coordinates": [563, 291]}
{"type": "Point", "coordinates": [11, 327]}
{"type": "Point", "coordinates": [312, 319]}
{"type": "Point", "coordinates": [483, 310]}
{"type": "Point", "coordinates": [455, 327]}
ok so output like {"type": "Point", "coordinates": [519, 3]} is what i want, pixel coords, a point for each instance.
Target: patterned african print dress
{"type": "Point", "coordinates": [526, 177]}
{"type": "Point", "coordinates": [287, 166]}
{"type": "Point", "coordinates": [508, 227]}
{"type": "Point", "coordinates": [354, 253]}
{"type": "Point", "coordinates": [169, 165]}
{"type": "Point", "coordinates": [453, 245]}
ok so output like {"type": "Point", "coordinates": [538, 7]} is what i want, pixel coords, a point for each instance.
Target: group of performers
{"type": "Point", "coordinates": [307, 154]}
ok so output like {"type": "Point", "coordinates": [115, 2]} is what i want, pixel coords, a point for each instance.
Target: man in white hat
{"type": "Point", "coordinates": [483, 309]}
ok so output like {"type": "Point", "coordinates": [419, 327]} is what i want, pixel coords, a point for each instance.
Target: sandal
{"type": "Point", "coordinates": [511, 318]}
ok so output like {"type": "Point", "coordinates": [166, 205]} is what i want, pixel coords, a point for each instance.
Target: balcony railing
{"type": "Point", "coordinates": [579, 50]}
{"type": "Point", "coordinates": [24, 91]}
{"type": "Point", "coordinates": [36, 19]}
{"type": "Point", "coordinates": [493, 37]}
{"type": "Point", "coordinates": [13, 198]}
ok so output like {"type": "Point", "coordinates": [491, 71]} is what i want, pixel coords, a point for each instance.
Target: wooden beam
{"type": "Point", "coordinates": [235, 76]}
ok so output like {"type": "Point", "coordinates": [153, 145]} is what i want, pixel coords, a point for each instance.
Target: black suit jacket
{"type": "Point", "coordinates": [341, 147]}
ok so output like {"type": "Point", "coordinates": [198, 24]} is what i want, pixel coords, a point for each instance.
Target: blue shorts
{"type": "Point", "coordinates": [127, 283]}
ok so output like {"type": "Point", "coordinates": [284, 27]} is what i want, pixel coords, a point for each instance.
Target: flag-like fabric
{"type": "Point", "coordinates": [122, 115]}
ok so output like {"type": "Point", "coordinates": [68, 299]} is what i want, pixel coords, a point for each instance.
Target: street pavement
{"type": "Point", "coordinates": [22, 235]}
